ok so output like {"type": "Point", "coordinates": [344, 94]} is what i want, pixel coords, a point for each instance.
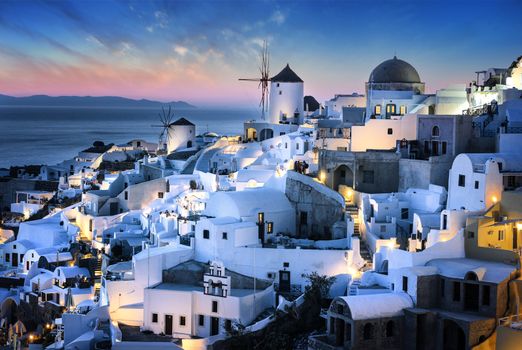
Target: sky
{"type": "Point", "coordinates": [196, 50]}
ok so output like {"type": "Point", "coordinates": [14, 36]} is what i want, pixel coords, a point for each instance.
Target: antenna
{"type": "Point", "coordinates": [264, 70]}
{"type": "Point", "coordinates": [165, 118]}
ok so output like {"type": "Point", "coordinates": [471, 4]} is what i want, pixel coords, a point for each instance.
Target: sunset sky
{"type": "Point", "coordinates": [196, 50]}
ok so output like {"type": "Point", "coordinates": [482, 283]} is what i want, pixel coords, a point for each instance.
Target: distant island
{"type": "Point", "coordinates": [86, 101]}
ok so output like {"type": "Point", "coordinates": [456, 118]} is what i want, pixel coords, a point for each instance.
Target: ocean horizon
{"type": "Point", "coordinates": [48, 135]}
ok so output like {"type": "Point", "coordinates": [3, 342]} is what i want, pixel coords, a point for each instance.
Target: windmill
{"type": "Point", "coordinates": [165, 119]}
{"type": "Point", "coordinates": [264, 79]}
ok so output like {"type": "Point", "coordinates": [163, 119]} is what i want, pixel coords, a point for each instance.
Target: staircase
{"type": "Point", "coordinates": [353, 212]}
{"type": "Point", "coordinates": [98, 275]}
{"type": "Point", "coordinates": [353, 289]}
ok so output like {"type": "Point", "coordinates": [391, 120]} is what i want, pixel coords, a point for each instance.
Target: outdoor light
{"type": "Point", "coordinates": [494, 199]}
{"type": "Point", "coordinates": [322, 176]}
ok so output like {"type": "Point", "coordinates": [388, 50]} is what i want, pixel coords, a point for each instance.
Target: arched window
{"type": "Point", "coordinates": [471, 276]}
{"type": "Point", "coordinates": [377, 110]}
{"type": "Point", "coordinates": [391, 109]}
{"type": "Point", "coordinates": [368, 331]}
{"type": "Point", "coordinates": [390, 329]}
{"type": "Point", "coordinates": [435, 131]}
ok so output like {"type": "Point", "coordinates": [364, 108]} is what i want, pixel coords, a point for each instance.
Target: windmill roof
{"type": "Point", "coordinates": [181, 121]}
{"type": "Point", "coordinates": [287, 75]}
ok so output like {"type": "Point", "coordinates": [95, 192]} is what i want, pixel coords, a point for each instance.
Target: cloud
{"type": "Point", "coordinates": [181, 50]}
{"type": "Point", "coordinates": [278, 17]}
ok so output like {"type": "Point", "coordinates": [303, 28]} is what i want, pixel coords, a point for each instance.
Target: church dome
{"type": "Point", "coordinates": [394, 71]}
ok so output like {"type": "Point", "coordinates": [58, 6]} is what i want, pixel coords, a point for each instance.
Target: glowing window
{"type": "Point", "coordinates": [377, 110]}
{"type": "Point", "coordinates": [403, 110]}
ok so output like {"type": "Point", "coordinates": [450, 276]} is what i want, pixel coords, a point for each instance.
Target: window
{"type": "Point", "coordinates": [368, 176]}
{"type": "Point", "coordinates": [456, 291]}
{"type": "Point", "coordinates": [160, 194]}
{"type": "Point", "coordinates": [377, 110]}
{"type": "Point", "coordinates": [462, 180]}
{"type": "Point", "coordinates": [225, 235]}
{"type": "Point", "coordinates": [444, 147]}
{"type": "Point", "coordinates": [277, 84]}
{"type": "Point", "coordinates": [471, 234]}
{"type": "Point", "coordinates": [214, 306]}
{"type": "Point", "coordinates": [297, 146]}
{"type": "Point", "coordinates": [435, 131]}
{"type": "Point", "coordinates": [476, 185]}
{"type": "Point", "coordinates": [270, 227]}
{"type": "Point", "coordinates": [390, 329]}
{"type": "Point", "coordinates": [500, 235]}
{"type": "Point", "coordinates": [343, 173]}
{"type": "Point", "coordinates": [280, 92]}
{"type": "Point", "coordinates": [403, 110]}
{"type": "Point", "coordinates": [182, 320]}
{"type": "Point", "coordinates": [390, 108]}
{"type": "Point", "coordinates": [126, 195]}
{"type": "Point", "coordinates": [286, 145]}
{"type": "Point", "coordinates": [21, 257]}
{"type": "Point", "coordinates": [154, 318]}
{"type": "Point", "coordinates": [201, 320]}
{"type": "Point", "coordinates": [442, 287]}
{"type": "Point", "coordinates": [7, 257]}
{"type": "Point", "coordinates": [206, 234]}
{"type": "Point", "coordinates": [486, 291]}
{"type": "Point", "coordinates": [286, 264]}
{"type": "Point", "coordinates": [405, 284]}
{"type": "Point", "coordinates": [426, 147]}
{"type": "Point", "coordinates": [383, 228]}
{"type": "Point", "coordinates": [404, 213]}
{"type": "Point", "coordinates": [368, 331]}
{"type": "Point", "coordinates": [390, 131]}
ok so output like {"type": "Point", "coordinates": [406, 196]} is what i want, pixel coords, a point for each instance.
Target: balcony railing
{"type": "Point", "coordinates": [513, 321]}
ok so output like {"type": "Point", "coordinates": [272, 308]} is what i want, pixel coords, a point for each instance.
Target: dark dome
{"type": "Point", "coordinates": [394, 71]}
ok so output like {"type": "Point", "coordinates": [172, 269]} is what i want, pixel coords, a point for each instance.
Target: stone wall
{"type": "Point", "coordinates": [323, 207]}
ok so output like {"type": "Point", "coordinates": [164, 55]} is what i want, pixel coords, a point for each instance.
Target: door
{"type": "Point", "coordinates": [113, 208]}
{"type": "Point", "coordinates": [284, 281]}
{"type": "Point", "coordinates": [15, 259]}
{"type": "Point", "coordinates": [515, 238]}
{"type": "Point", "coordinates": [214, 326]}
{"type": "Point", "coordinates": [168, 324]}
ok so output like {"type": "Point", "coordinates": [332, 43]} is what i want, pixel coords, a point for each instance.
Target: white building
{"type": "Point", "coordinates": [181, 135]}
{"type": "Point", "coordinates": [286, 97]}
{"type": "Point", "coordinates": [189, 309]}
{"type": "Point", "coordinates": [477, 180]}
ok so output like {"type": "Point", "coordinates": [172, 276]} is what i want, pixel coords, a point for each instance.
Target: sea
{"type": "Point", "coordinates": [48, 135]}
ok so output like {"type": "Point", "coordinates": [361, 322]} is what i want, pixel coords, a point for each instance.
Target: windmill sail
{"type": "Point", "coordinates": [264, 70]}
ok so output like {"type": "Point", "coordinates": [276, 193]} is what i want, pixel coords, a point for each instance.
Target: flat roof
{"type": "Point", "coordinates": [192, 288]}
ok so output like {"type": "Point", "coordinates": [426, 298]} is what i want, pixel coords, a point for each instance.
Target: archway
{"type": "Point", "coordinates": [266, 134]}
{"type": "Point", "coordinates": [339, 332]}
{"type": "Point", "coordinates": [343, 175]}
{"type": "Point", "coordinates": [453, 336]}
{"type": "Point", "coordinates": [471, 292]}
{"type": "Point", "coordinates": [9, 310]}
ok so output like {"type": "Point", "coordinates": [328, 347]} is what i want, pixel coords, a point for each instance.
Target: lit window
{"type": "Point", "coordinates": [378, 110]}
{"type": "Point", "coordinates": [403, 110]}
{"type": "Point", "coordinates": [390, 109]}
